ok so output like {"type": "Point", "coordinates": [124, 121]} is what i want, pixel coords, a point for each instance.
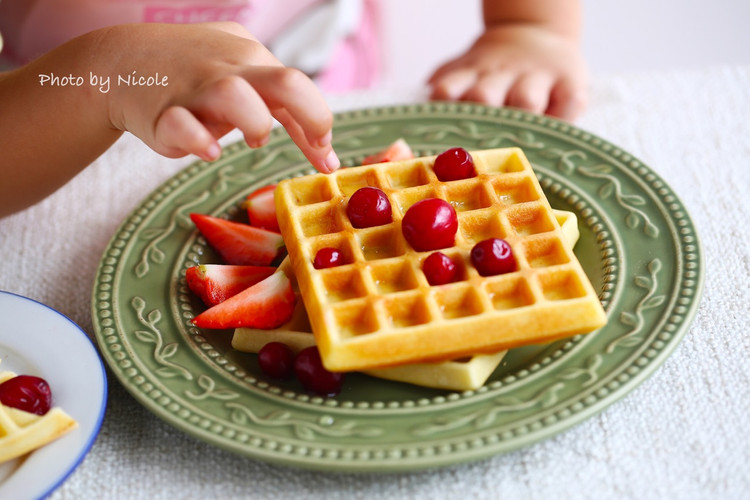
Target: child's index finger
{"type": "Point", "coordinates": [289, 89]}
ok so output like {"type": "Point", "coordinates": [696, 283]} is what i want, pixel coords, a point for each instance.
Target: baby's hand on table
{"type": "Point", "coordinates": [519, 65]}
{"type": "Point", "coordinates": [219, 78]}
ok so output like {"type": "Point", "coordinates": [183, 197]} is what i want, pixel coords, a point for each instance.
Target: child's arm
{"type": "Point", "coordinates": [217, 78]}
{"type": "Point", "coordinates": [528, 57]}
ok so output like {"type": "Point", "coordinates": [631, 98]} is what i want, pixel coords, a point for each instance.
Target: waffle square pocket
{"type": "Point", "coordinates": [377, 309]}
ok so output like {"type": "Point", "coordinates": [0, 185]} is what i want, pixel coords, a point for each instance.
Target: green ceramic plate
{"type": "Point", "coordinates": [637, 245]}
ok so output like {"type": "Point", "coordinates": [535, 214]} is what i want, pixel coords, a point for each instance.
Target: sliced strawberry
{"type": "Point", "coordinates": [267, 304]}
{"type": "Point", "coordinates": [397, 151]}
{"type": "Point", "coordinates": [261, 209]}
{"type": "Point", "coordinates": [237, 243]}
{"type": "Point", "coordinates": [215, 283]}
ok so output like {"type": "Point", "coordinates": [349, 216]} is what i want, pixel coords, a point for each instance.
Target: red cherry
{"type": "Point", "coordinates": [439, 269]}
{"type": "Point", "coordinates": [369, 207]}
{"type": "Point", "coordinates": [454, 164]}
{"type": "Point", "coordinates": [327, 257]}
{"type": "Point", "coordinates": [276, 360]}
{"type": "Point", "coordinates": [493, 256]}
{"type": "Point", "coordinates": [314, 376]}
{"type": "Point", "coordinates": [27, 393]}
{"type": "Point", "coordinates": [430, 224]}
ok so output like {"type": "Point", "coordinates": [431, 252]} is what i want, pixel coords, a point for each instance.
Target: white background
{"type": "Point", "coordinates": [618, 36]}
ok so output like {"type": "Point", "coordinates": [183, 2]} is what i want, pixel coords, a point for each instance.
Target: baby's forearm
{"type": "Point", "coordinates": [51, 126]}
{"type": "Point", "coordinates": [561, 16]}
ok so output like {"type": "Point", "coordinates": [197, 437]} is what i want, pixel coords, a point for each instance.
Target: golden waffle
{"type": "Point", "coordinates": [456, 375]}
{"type": "Point", "coordinates": [378, 310]}
{"type": "Point", "coordinates": [22, 432]}
{"type": "Point", "coordinates": [459, 375]}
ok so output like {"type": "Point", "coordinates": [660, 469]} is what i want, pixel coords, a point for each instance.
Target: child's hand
{"type": "Point", "coordinates": [521, 65]}
{"type": "Point", "coordinates": [219, 78]}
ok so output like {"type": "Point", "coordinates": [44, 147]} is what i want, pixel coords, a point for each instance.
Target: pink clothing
{"type": "Point", "coordinates": [350, 53]}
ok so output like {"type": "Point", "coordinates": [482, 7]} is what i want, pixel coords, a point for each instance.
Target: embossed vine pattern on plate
{"type": "Point", "coordinates": [636, 319]}
{"type": "Point", "coordinates": [210, 391]}
{"type": "Point", "coordinates": [161, 352]}
{"type": "Point", "coordinates": [323, 426]}
{"type": "Point", "coordinates": [467, 129]}
{"type": "Point", "coordinates": [486, 417]}
{"type": "Point", "coordinates": [179, 219]}
{"type": "Point", "coordinates": [239, 414]}
{"type": "Point", "coordinates": [567, 163]}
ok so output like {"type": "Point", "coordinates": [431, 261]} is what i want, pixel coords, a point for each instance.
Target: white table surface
{"type": "Point", "coordinates": [684, 433]}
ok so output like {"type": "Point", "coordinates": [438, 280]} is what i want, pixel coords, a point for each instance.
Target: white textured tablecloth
{"type": "Point", "coordinates": [684, 433]}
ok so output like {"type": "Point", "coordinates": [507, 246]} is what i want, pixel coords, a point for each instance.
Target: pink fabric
{"type": "Point", "coordinates": [49, 23]}
{"type": "Point", "coordinates": [356, 62]}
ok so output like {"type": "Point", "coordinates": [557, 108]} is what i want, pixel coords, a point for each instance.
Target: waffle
{"type": "Point", "coordinates": [22, 432]}
{"type": "Point", "coordinates": [377, 309]}
{"type": "Point", "coordinates": [456, 375]}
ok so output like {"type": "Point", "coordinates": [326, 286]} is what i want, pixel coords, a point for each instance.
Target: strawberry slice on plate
{"type": "Point", "coordinates": [267, 304]}
{"type": "Point", "coordinates": [261, 209]}
{"type": "Point", "coordinates": [215, 283]}
{"type": "Point", "coordinates": [237, 243]}
{"type": "Point", "coordinates": [398, 150]}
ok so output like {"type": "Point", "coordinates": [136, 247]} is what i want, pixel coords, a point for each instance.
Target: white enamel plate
{"type": "Point", "coordinates": [37, 340]}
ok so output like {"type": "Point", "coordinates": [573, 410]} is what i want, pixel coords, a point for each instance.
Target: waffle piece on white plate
{"type": "Point", "coordinates": [377, 308]}
{"type": "Point", "coordinates": [22, 432]}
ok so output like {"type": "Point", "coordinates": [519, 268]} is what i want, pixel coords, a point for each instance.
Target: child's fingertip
{"type": "Point", "coordinates": [258, 143]}
{"type": "Point", "coordinates": [212, 152]}
{"type": "Point", "coordinates": [332, 161]}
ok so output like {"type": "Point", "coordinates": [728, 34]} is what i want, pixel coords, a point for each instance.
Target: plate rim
{"type": "Point", "coordinates": [597, 406]}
